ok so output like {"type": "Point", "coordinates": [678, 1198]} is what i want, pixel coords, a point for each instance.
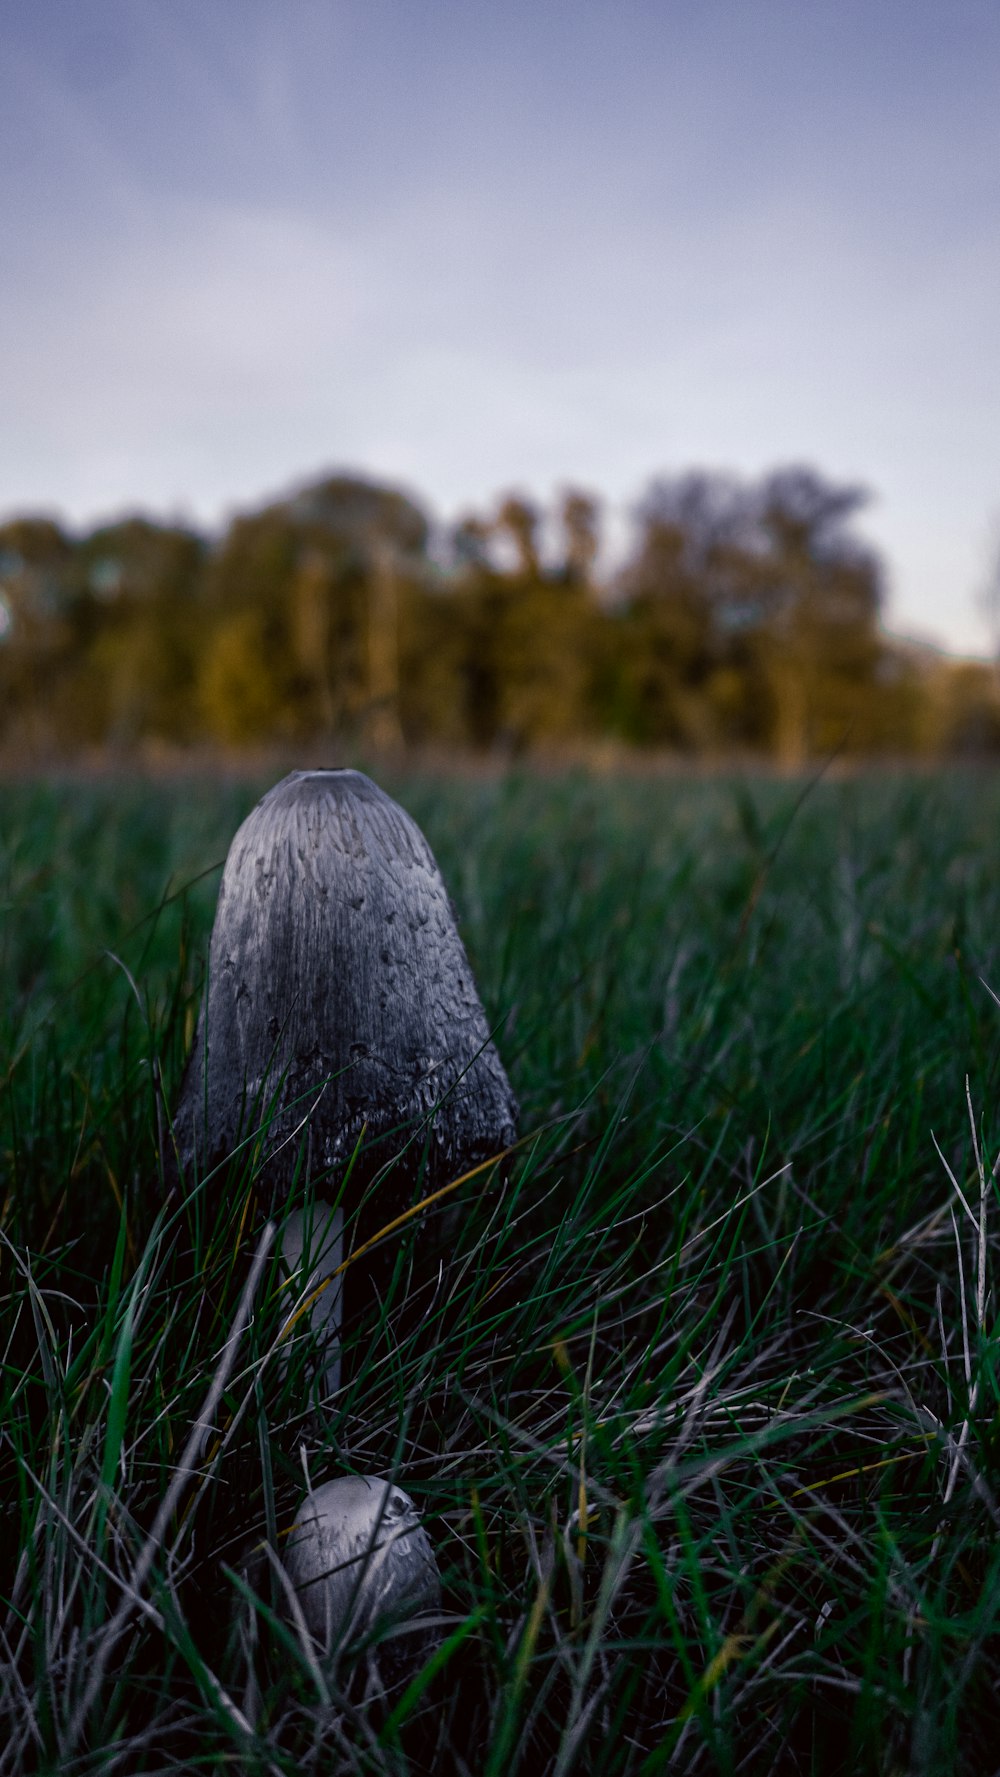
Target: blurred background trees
{"type": "Point", "coordinates": [742, 618]}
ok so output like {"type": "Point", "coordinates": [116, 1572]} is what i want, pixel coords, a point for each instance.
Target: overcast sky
{"type": "Point", "coordinates": [476, 245]}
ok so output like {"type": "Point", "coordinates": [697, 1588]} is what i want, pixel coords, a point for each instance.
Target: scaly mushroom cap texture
{"type": "Point", "coordinates": [360, 1560]}
{"type": "Point", "coordinates": [340, 1000]}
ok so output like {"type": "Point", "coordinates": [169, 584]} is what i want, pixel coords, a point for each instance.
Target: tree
{"type": "Point", "coordinates": [518, 520]}
{"type": "Point", "coordinates": [36, 557]}
{"type": "Point", "coordinates": [679, 633]}
{"type": "Point", "coordinates": [820, 595]}
{"type": "Point", "coordinates": [327, 572]}
{"type": "Point", "coordinates": [528, 629]}
{"type": "Point", "coordinates": [579, 515]}
{"type": "Point", "coordinates": [750, 615]}
{"type": "Point", "coordinates": [136, 606]}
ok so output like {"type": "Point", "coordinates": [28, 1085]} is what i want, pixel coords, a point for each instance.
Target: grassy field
{"type": "Point", "coordinates": [698, 1400]}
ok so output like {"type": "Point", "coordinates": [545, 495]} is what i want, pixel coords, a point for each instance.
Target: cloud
{"type": "Point", "coordinates": [400, 261]}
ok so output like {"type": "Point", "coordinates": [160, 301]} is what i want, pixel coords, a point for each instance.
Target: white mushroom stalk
{"type": "Point", "coordinates": [312, 1252]}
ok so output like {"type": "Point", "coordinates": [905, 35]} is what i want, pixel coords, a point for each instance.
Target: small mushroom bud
{"type": "Point", "coordinates": [362, 1565]}
{"type": "Point", "coordinates": [312, 1250]}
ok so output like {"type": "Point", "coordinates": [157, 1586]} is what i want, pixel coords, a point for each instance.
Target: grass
{"type": "Point", "coordinates": [697, 1394]}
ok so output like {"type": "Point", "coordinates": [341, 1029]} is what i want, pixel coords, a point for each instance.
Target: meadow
{"type": "Point", "coordinates": [696, 1393]}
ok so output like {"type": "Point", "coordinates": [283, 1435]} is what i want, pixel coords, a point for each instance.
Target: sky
{"type": "Point", "coordinates": [473, 246]}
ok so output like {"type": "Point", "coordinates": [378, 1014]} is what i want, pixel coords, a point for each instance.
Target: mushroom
{"type": "Point", "coordinates": [361, 1565]}
{"type": "Point", "coordinates": [340, 1007]}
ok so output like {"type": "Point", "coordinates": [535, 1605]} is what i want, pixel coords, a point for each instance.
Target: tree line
{"type": "Point", "coordinates": [743, 618]}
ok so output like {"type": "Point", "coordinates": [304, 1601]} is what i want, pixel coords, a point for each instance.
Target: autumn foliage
{"type": "Point", "coordinates": [743, 619]}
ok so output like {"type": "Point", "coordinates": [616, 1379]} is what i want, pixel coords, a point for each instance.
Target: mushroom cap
{"type": "Point", "coordinates": [360, 1560]}
{"type": "Point", "coordinates": [339, 1000]}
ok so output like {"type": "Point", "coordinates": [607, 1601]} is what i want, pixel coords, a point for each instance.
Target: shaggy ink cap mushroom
{"type": "Point", "coordinates": [340, 1002]}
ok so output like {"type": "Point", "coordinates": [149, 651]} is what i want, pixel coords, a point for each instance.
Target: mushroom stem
{"type": "Point", "coordinates": [312, 1252]}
